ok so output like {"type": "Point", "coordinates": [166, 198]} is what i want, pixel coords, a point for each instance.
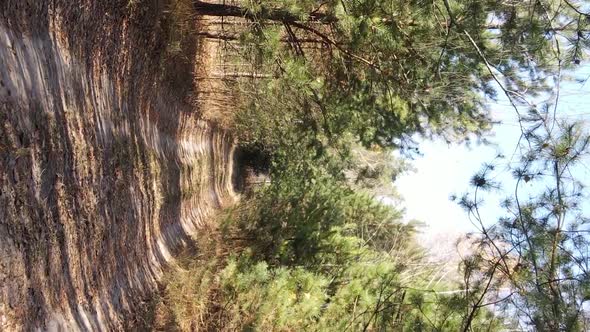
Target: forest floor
{"type": "Point", "coordinates": [106, 169]}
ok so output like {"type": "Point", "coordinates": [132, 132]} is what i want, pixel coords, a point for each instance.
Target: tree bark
{"type": "Point", "coordinates": [229, 37]}
{"type": "Point", "coordinates": [214, 9]}
{"type": "Point", "coordinates": [279, 15]}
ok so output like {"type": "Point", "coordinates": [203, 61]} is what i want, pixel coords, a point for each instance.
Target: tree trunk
{"type": "Point", "coordinates": [214, 9]}
{"type": "Point", "coordinates": [229, 37]}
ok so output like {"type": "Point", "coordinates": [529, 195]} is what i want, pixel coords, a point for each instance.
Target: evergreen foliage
{"type": "Point", "coordinates": [539, 249]}
{"type": "Point", "coordinates": [384, 70]}
{"type": "Point", "coordinates": [338, 79]}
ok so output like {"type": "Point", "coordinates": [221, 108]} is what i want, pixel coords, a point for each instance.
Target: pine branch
{"type": "Point", "coordinates": [576, 9]}
{"type": "Point", "coordinates": [335, 44]}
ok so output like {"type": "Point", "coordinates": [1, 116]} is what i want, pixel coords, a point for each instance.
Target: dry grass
{"type": "Point", "coordinates": [181, 20]}
{"type": "Point", "coordinates": [187, 301]}
{"type": "Point", "coordinates": [188, 294]}
{"type": "Point", "coordinates": [179, 25]}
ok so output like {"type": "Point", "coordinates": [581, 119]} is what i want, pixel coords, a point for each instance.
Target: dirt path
{"type": "Point", "coordinates": [104, 173]}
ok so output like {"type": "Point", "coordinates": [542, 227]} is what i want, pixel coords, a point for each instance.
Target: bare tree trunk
{"type": "Point", "coordinates": [229, 37]}
{"type": "Point", "coordinates": [214, 9]}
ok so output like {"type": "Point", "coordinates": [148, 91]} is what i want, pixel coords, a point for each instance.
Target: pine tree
{"type": "Point", "coordinates": [538, 251]}
{"type": "Point", "coordinates": [384, 70]}
{"type": "Point", "coordinates": [316, 250]}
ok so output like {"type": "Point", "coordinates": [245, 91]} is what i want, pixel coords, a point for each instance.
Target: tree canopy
{"type": "Point", "coordinates": [384, 70]}
{"type": "Point", "coordinates": [335, 86]}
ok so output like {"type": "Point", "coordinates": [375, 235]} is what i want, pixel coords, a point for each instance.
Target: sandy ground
{"type": "Point", "coordinates": [105, 168]}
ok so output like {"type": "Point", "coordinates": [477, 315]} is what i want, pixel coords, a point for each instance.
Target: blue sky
{"type": "Point", "coordinates": [445, 169]}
